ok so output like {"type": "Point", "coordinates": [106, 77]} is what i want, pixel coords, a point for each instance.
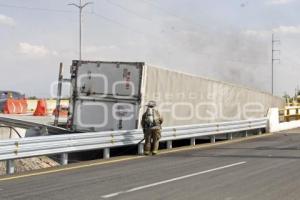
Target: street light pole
{"type": "Point", "coordinates": [80, 7]}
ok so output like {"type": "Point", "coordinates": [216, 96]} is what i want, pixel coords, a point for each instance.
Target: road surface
{"type": "Point", "coordinates": [257, 169]}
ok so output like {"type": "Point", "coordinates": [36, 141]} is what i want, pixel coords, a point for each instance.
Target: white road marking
{"type": "Point", "coordinates": [171, 180]}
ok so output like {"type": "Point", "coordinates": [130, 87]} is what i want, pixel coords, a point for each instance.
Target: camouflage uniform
{"type": "Point", "coordinates": [153, 134]}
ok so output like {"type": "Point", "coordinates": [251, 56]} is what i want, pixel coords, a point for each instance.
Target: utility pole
{"type": "Point", "coordinates": [274, 42]}
{"type": "Point", "coordinates": [80, 7]}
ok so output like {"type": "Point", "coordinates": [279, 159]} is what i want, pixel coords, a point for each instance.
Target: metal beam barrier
{"type": "Point", "coordinates": [67, 143]}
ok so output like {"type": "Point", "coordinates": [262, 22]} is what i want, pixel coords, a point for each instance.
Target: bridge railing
{"type": "Point", "coordinates": [289, 113]}
{"type": "Point", "coordinates": [64, 144]}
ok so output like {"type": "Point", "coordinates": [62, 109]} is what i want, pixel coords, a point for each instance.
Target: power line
{"type": "Point", "coordinates": [133, 30]}
{"type": "Point", "coordinates": [136, 31]}
{"type": "Point", "coordinates": [172, 13]}
{"type": "Point", "coordinates": [127, 10]}
{"type": "Point", "coordinates": [36, 8]}
{"type": "Point", "coordinates": [70, 11]}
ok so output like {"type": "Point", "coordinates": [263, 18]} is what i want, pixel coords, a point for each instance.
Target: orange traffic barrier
{"type": "Point", "coordinates": [9, 107]}
{"type": "Point", "coordinates": [15, 106]}
{"type": "Point", "coordinates": [41, 108]}
{"type": "Point", "coordinates": [23, 106]}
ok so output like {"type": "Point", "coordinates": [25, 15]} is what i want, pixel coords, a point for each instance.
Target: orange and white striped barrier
{"type": "Point", "coordinates": [13, 106]}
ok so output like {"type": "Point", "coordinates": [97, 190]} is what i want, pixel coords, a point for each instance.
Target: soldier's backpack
{"type": "Point", "coordinates": [150, 118]}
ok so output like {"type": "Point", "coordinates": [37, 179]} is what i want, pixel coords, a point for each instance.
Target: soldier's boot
{"type": "Point", "coordinates": [155, 144]}
{"type": "Point", "coordinates": [147, 148]}
{"type": "Point", "coordinates": [147, 145]}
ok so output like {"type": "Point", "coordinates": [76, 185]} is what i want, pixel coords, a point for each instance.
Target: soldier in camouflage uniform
{"type": "Point", "coordinates": [151, 124]}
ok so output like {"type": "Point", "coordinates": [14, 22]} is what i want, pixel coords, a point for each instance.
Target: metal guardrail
{"type": "Point", "coordinates": [29, 124]}
{"type": "Point", "coordinates": [289, 113]}
{"type": "Point", "coordinates": [64, 144]}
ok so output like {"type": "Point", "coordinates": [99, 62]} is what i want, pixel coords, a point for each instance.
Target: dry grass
{"type": "Point", "coordinates": [28, 164]}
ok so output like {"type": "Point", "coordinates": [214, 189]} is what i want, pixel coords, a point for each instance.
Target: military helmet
{"type": "Point", "coordinates": [151, 104]}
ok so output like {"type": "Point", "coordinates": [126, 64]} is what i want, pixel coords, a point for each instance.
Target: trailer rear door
{"type": "Point", "coordinates": [105, 95]}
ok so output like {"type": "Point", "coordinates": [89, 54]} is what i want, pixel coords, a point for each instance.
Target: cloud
{"type": "Point", "coordinates": [34, 50]}
{"type": "Point", "coordinates": [7, 21]}
{"type": "Point", "coordinates": [287, 29]}
{"type": "Point", "coordinates": [96, 49]}
{"type": "Point", "coordinates": [279, 2]}
{"type": "Point", "coordinates": [257, 33]}
{"type": "Point", "coordinates": [92, 52]}
{"type": "Point", "coordinates": [267, 33]}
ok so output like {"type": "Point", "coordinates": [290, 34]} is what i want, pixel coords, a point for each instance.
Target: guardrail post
{"type": "Point", "coordinates": [141, 149]}
{"type": "Point", "coordinates": [106, 153]}
{"type": "Point", "coordinates": [169, 144]}
{"type": "Point", "coordinates": [259, 131]}
{"type": "Point", "coordinates": [213, 139]}
{"type": "Point", "coordinates": [229, 136]}
{"type": "Point", "coordinates": [10, 166]}
{"type": "Point", "coordinates": [193, 141]}
{"type": "Point", "coordinates": [64, 159]}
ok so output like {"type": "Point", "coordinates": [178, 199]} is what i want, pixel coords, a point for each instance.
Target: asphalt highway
{"type": "Point", "coordinates": [265, 168]}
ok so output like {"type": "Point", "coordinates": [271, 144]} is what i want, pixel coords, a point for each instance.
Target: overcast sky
{"type": "Point", "coordinates": [228, 40]}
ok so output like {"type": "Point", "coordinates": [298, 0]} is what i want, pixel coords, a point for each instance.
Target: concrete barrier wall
{"type": "Point", "coordinates": [31, 105]}
{"type": "Point", "coordinates": [274, 124]}
{"type": "Point", "coordinates": [51, 105]}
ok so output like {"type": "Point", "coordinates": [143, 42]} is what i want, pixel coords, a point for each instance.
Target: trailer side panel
{"type": "Point", "coordinates": [188, 99]}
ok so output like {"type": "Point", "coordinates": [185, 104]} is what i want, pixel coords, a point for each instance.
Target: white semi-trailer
{"type": "Point", "coordinates": [113, 95]}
